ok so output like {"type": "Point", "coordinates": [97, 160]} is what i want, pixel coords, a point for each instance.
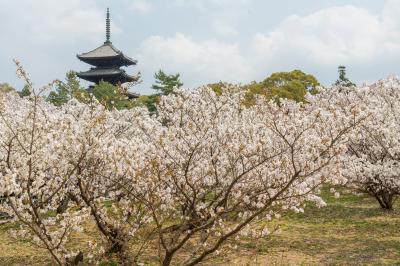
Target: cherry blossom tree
{"type": "Point", "coordinates": [59, 165]}
{"type": "Point", "coordinates": [220, 167]}
{"type": "Point", "coordinates": [372, 163]}
{"type": "Point", "coordinates": [201, 173]}
{"type": "Point", "coordinates": [29, 179]}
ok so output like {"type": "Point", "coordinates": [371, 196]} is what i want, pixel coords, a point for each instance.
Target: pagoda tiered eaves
{"type": "Point", "coordinates": [107, 62]}
{"type": "Point", "coordinates": [106, 55]}
{"type": "Point", "coordinates": [111, 75]}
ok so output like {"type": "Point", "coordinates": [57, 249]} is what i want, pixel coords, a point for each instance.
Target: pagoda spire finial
{"type": "Point", "coordinates": [108, 33]}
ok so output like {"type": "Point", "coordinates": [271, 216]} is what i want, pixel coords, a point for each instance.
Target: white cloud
{"type": "Point", "coordinates": [213, 2]}
{"type": "Point", "coordinates": [317, 42]}
{"type": "Point", "coordinates": [391, 22]}
{"type": "Point", "coordinates": [205, 5]}
{"type": "Point", "coordinates": [49, 20]}
{"type": "Point", "coordinates": [332, 36]}
{"type": "Point", "coordinates": [142, 6]}
{"type": "Point", "coordinates": [198, 61]}
{"type": "Point", "coordinates": [46, 35]}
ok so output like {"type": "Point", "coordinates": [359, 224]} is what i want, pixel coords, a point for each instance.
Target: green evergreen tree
{"type": "Point", "coordinates": [25, 92]}
{"type": "Point", "coordinates": [111, 96]}
{"type": "Point", "coordinates": [165, 84]}
{"type": "Point", "coordinates": [67, 90]}
{"type": "Point", "coordinates": [343, 80]}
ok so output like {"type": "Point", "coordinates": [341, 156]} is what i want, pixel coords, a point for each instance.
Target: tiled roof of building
{"type": "Point", "coordinates": [112, 75]}
{"type": "Point", "coordinates": [107, 50]}
{"type": "Point", "coordinates": [102, 72]}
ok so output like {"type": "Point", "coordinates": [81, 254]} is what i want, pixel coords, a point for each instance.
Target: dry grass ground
{"type": "Point", "coordinates": [349, 231]}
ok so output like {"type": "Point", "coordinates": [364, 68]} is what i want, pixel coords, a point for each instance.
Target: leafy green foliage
{"type": "Point", "coordinates": [111, 96]}
{"type": "Point", "coordinates": [292, 85]}
{"type": "Point", "coordinates": [343, 80]}
{"type": "Point", "coordinates": [165, 84]}
{"type": "Point", "coordinates": [5, 87]}
{"type": "Point", "coordinates": [253, 89]}
{"type": "Point", "coordinates": [67, 90]}
{"type": "Point", "coordinates": [150, 101]}
{"type": "Point", "coordinates": [218, 87]}
{"type": "Point", "coordinates": [25, 92]}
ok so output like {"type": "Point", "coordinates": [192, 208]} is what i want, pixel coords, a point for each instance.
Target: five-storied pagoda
{"type": "Point", "coordinates": [107, 62]}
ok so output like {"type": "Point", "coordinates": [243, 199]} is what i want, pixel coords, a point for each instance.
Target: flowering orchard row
{"type": "Point", "coordinates": [202, 172]}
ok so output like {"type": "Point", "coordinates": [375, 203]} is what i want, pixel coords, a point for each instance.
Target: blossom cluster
{"type": "Point", "coordinates": [371, 164]}
{"type": "Point", "coordinates": [201, 172]}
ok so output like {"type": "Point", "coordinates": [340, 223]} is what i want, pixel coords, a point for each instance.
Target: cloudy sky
{"type": "Point", "coordinates": [205, 40]}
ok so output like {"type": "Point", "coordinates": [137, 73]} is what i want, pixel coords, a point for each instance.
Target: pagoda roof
{"type": "Point", "coordinates": [106, 52]}
{"type": "Point", "coordinates": [112, 75]}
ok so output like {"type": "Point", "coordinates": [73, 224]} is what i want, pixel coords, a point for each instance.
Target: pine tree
{"type": "Point", "coordinates": [165, 84]}
{"type": "Point", "coordinates": [343, 81]}
{"type": "Point", "coordinates": [25, 92]}
{"type": "Point", "coordinates": [111, 96]}
{"type": "Point", "coordinates": [67, 90]}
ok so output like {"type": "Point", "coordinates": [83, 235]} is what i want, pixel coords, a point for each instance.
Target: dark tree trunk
{"type": "Point", "coordinates": [167, 259]}
{"type": "Point", "coordinates": [65, 201]}
{"type": "Point", "coordinates": [119, 247]}
{"type": "Point", "coordinates": [385, 200]}
{"type": "Point", "coordinates": [75, 260]}
{"type": "Point", "coordinates": [63, 205]}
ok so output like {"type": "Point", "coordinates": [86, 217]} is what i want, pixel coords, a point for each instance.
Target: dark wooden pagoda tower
{"type": "Point", "coordinates": [107, 62]}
